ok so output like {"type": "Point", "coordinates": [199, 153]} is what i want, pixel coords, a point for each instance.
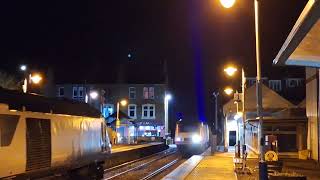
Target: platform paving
{"type": "Point", "coordinates": [214, 167]}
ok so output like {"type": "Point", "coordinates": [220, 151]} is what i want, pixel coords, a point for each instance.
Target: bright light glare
{"type": "Point", "coordinates": [94, 94]}
{"type": "Point", "coordinates": [228, 91]}
{"type": "Point", "coordinates": [36, 78]}
{"type": "Point", "coordinates": [230, 71]}
{"type": "Point", "coordinates": [227, 3]}
{"type": "Point", "coordinates": [178, 139]}
{"type": "Point", "coordinates": [23, 67]}
{"type": "Point", "coordinates": [168, 97]}
{"type": "Point", "coordinates": [123, 102]}
{"type": "Point", "coordinates": [238, 115]}
{"type": "Point", "coordinates": [196, 138]}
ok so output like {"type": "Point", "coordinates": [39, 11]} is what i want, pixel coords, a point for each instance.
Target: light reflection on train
{"type": "Point", "coordinates": [191, 138]}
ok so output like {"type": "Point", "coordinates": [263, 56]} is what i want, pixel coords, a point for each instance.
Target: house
{"type": "Point", "coordinates": [302, 48]}
{"type": "Point", "coordinates": [145, 104]}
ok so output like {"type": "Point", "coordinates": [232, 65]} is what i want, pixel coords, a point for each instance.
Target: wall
{"type": "Point", "coordinates": [312, 110]}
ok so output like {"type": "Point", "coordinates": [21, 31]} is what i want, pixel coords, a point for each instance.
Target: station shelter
{"type": "Point", "coordinates": [279, 119]}
{"type": "Point", "coordinates": [302, 48]}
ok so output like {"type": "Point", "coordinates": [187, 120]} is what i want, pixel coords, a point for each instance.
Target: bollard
{"type": "Point", "coordinates": [263, 170]}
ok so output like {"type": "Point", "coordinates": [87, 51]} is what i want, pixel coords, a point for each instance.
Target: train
{"type": "Point", "coordinates": [39, 135]}
{"type": "Point", "coordinates": [192, 138]}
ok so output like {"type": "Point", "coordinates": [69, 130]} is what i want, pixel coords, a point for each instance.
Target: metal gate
{"type": "Point", "coordinates": [38, 143]}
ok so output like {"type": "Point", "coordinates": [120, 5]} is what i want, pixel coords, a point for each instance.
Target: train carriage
{"type": "Point", "coordinates": [38, 134]}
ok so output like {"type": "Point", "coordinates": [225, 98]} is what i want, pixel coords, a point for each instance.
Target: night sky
{"type": "Point", "coordinates": [89, 39]}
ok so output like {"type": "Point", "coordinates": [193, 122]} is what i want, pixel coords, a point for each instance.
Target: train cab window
{"type": "Point", "coordinates": [188, 127]}
{"type": "Point", "coordinates": [8, 125]}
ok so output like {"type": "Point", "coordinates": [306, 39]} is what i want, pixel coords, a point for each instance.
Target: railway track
{"type": "Point", "coordinates": [145, 168]}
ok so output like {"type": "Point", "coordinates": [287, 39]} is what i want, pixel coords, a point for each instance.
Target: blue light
{"type": "Point", "coordinates": [197, 57]}
{"type": "Point", "coordinates": [129, 55]}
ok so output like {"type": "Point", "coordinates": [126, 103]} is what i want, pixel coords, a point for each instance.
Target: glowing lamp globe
{"type": "Point", "coordinates": [230, 71]}
{"type": "Point", "coordinates": [123, 102]}
{"type": "Point", "coordinates": [227, 3]}
{"type": "Point", "coordinates": [94, 94]}
{"type": "Point", "coordinates": [228, 91]}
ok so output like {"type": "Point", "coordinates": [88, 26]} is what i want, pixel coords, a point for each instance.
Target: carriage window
{"type": "Point", "coordinates": [8, 124]}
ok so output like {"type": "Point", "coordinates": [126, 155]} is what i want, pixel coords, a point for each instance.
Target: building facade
{"type": "Point", "coordinates": [292, 88]}
{"type": "Point", "coordinates": [145, 104]}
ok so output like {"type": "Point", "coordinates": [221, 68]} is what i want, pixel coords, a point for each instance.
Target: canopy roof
{"type": "Point", "coordinates": [302, 46]}
{"type": "Point", "coordinates": [271, 101]}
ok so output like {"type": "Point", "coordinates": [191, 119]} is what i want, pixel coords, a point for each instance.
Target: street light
{"type": "Point", "coordinates": [227, 3]}
{"type": "Point", "coordinates": [230, 70]}
{"type": "Point", "coordinates": [262, 164]}
{"type": "Point", "coordinates": [35, 78]}
{"type": "Point", "coordinates": [23, 67]}
{"type": "Point", "coordinates": [228, 90]}
{"type": "Point", "coordinates": [94, 94]}
{"type": "Point", "coordinates": [123, 103]}
{"type": "Point", "coordinates": [167, 98]}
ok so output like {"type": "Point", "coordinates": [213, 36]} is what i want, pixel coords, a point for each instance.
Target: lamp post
{"type": "Point", "coordinates": [122, 103]}
{"type": "Point", "coordinates": [215, 95]}
{"type": "Point", "coordinates": [167, 98]}
{"type": "Point", "coordinates": [29, 78]}
{"type": "Point", "coordinates": [230, 71]}
{"type": "Point", "coordinates": [262, 164]}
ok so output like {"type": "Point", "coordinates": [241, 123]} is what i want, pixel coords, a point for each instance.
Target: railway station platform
{"type": "Point", "coordinates": [219, 166]}
{"type": "Point", "coordinates": [122, 148]}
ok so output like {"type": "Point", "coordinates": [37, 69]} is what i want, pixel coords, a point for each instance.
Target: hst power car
{"type": "Point", "coordinates": [192, 138]}
{"type": "Point", "coordinates": [39, 135]}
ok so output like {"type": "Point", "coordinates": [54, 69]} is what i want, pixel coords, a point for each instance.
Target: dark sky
{"type": "Point", "coordinates": [196, 37]}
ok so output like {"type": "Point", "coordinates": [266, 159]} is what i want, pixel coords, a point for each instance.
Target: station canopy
{"type": "Point", "coordinates": [302, 46]}
{"type": "Point", "coordinates": [271, 101]}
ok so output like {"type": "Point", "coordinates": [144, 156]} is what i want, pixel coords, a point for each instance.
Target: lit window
{"type": "Point", "coordinates": [145, 93]}
{"type": "Point", "coordinates": [148, 92]}
{"type": "Point", "coordinates": [75, 92]}
{"type": "Point", "coordinates": [275, 85]}
{"type": "Point", "coordinates": [151, 92]}
{"type": "Point", "coordinates": [148, 111]}
{"type": "Point", "coordinates": [108, 110]}
{"type": "Point", "coordinates": [132, 92]}
{"type": "Point", "coordinates": [61, 92]}
{"type": "Point", "coordinates": [132, 110]}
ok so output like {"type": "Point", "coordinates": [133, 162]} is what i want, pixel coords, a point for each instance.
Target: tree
{"type": "Point", "coordinates": [8, 81]}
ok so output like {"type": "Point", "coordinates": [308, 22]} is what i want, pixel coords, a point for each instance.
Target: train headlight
{"type": "Point", "coordinates": [196, 138]}
{"type": "Point", "coordinates": [178, 139]}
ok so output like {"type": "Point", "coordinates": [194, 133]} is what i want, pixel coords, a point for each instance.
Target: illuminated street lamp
{"type": "Point", "coordinates": [29, 78]}
{"type": "Point", "coordinates": [262, 164]}
{"type": "Point", "coordinates": [23, 67]}
{"type": "Point", "coordinates": [230, 70]}
{"type": "Point", "coordinates": [122, 103]}
{"type": "Point", "coordinates": [94, 94]}
{"type": "Point", "coordinates": [228, 91]}
{"type": "Point", "coordinates": [227, 3]}
{"type": "Point", "coordinates": [35, 78]}
{"type": "Point", "coordinates": [167, 98]}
